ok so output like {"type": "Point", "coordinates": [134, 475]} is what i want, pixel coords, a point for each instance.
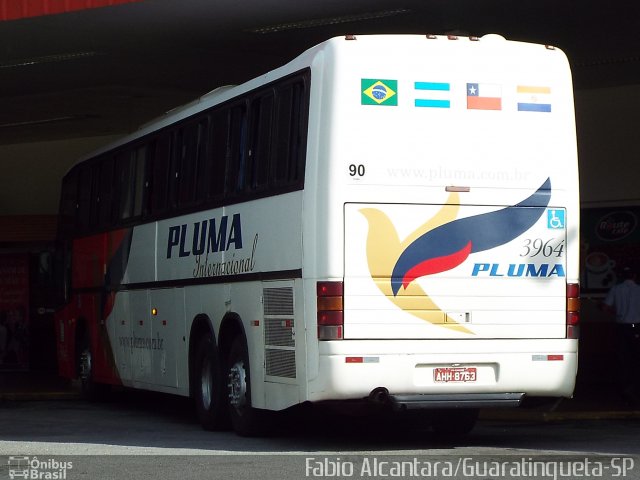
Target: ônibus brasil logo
{"type": "Point", "coordinates": [441, 244]}
{"type": "Point", "coordinates": [35, 468]}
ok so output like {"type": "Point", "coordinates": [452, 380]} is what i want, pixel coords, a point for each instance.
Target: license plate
{"type": "Point", "coordinates": [455, 374]}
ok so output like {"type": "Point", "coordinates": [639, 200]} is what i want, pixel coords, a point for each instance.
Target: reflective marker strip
{"type": "Point", "coordinates": [547, 358]}
{"type": "Point", "coordinates": [362, 359]}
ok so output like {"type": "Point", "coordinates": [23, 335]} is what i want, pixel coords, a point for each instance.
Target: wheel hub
{"type": "Point", "coordinates": [85, 366]}
{"type": "Point", "coordinates": [206, 381]}
{"type": "Point", "coordinates": [237, 385]}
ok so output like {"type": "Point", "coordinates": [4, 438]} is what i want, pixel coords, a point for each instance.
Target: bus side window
{"type": "Point", "coordinates": [201, 167]}
{"type": "Point", "coordinates": [130, 166]}
{"type": "Point", "coordinates": [149, 164]}
{"type": "Point", "coordinates": [189, 150]}
{"type": "Point", "coordinates": [160, 175]}
{"type": "Point", "coordinates": [236, 150]}
{"type": "Point", "coordinates": [288, 134]}
{"type": "Point", "coordinates": [299, 132]}
{"type": "Point", "coordinates": [216, 165]}
{"type": "Point", "coordinates": [184, 158]}
{"type": "Point", "coordinates": [85, 184]}
{"type": "Point", "coordinates": [94, 200]}
{"type": "Point", "coordinates": [139, 162]}
{"type": "Point", "coordinates": [259, 153]}
{"type": "Point", "coordinates": [123, 160]}
{"type": "Point", "coordinates": [175, 165]}
{"type": "Point", "coordinates": [105, 192]}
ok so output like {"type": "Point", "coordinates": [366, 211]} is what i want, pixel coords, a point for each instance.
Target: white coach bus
{"type": "Point", "coordinates": [386, 219]}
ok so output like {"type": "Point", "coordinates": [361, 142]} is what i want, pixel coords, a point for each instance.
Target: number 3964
{"type": "Point", "coordinates": [534, 247]}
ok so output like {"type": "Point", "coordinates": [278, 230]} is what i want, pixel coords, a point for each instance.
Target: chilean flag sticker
{"type": "Point", "coordinates": [484, 96]}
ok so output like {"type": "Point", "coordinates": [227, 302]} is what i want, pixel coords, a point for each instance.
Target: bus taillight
{"type": "Point", "coordinates": [573, 310]}
{"type": "Point", "coordinates": [330, 310]}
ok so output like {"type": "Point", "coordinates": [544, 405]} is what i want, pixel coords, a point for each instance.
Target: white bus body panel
{"type": "Point", "coordinates": [151, 350]}
{"type": "Point", "coordinates": [429, 156]}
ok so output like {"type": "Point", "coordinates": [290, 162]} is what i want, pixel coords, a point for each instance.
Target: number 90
{"type": "Point", "coordinates": [356, 170]}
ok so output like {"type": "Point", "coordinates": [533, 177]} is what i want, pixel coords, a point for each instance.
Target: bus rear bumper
{"type": "Point", "coordinates": [423, 378]}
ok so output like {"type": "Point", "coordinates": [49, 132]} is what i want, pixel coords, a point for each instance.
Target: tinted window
{"type": "Point", "coordinates": [236, 150]}
{"type": "Point", "coordinates": [130, 166]}
{"type": "Point", "coordinates": [201, 168]}
{"type": "Point", "coordinates": [289, 135]}
{"type": "Point", "coordinates": [85, 180]}
{"type": "Point", "coordinates": [216, 165]}
{"type": "Point", "coordinates": [189, 150]}
{"type": "Point", "coordinates": [245, 148]}
{"type": "Point", "coordinates": [259, 154]}
{"type": "Point", "coordinates": [105, 191]}
{"type": "Point", "coordinates": [138, 180]}
{"type": "Point", "coordinates": [159, 177]}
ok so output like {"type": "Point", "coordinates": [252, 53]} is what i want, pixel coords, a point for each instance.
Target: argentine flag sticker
{"type": "Point", "coordinates": [379, 92]}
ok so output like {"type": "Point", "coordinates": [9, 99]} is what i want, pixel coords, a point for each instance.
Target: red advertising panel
{"type": "Point", "coordinates": [17, 9]}
{"type": "Point", "coordinates": [14, 312]}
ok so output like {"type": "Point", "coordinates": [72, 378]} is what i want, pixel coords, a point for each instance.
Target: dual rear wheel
{"type": "Point", "coordinates": [222, 389]}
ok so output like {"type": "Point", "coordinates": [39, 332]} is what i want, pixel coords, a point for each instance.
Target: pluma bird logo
{"type": "Point", "coordinates": [441, 244]}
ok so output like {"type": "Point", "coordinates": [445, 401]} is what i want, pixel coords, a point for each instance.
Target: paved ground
{"type": "Point", "coordinates": [592, 401]}
{"type": "Point", "coordinates": [147, 435]}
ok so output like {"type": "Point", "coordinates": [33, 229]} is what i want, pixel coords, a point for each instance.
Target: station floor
{"type": "Point", "coordinates": [590, 400]}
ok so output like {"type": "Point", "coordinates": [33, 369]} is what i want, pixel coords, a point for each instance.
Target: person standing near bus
{"type": "Point", "coordinates": [624, 301]}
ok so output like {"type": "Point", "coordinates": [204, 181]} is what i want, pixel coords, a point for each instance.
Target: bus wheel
{"type": "Point", "coordinates": [455, 423]}
{"type": "Point", "coordinates": [246, 420]}
{"type": "Point", "coordinates": [208, 388]}
{"type": "Point", "coordinates": [89, 389]}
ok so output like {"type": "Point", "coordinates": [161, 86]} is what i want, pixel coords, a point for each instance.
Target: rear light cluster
{"type": "Point", "coordinates": [330, 310]}
{"type": "Point", "coordinates": [573, 310]}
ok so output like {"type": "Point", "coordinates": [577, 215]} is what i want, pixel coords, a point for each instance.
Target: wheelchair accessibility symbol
{"type": "Point", "coordinates": [555, 219]}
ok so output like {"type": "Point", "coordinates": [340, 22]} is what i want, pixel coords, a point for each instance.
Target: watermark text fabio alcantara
{"type": "Point", "coordinates": [470, 467]}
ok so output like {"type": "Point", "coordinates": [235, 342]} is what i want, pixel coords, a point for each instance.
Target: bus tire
{"type": "Point", "coordinates": [209, 391]}
{"type": "Point", "coordinates": [455, 423]}
{"type": "Point", "coordinates": [245, 420]}
{"type": "Point", "coordinates": [89, 389]}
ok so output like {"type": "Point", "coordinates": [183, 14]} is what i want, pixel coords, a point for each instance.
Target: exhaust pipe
{"type": "Point", "coordinates": [379, 396]}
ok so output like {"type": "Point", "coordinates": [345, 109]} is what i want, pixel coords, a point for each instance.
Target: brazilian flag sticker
{"type": "Point", "coordinates": [379, 92]}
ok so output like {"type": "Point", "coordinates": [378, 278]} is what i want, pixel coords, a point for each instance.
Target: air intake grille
{"type": "Point", "coordinates": [278, 301]}
{"type": "Point", "coordinates": [281, 363]}
{"type": "Point", "coordinates": [279, 332]}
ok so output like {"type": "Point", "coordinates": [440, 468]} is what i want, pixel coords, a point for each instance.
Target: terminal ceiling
{"type": "Point", "coordinates": [105, 71]}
